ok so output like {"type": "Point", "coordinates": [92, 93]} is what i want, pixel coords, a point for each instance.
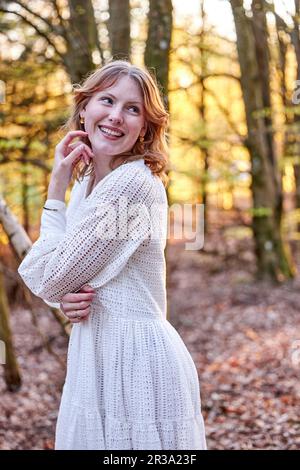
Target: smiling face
{"type": "Point", "coordinates": [114, 118]}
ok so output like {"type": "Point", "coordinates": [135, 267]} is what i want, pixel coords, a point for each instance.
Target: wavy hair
{"type": "Point", "coordinates": [154, 149]}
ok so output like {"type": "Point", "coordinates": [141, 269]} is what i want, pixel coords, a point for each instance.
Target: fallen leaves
{"type": "Point", "coordinates": [244, 338]}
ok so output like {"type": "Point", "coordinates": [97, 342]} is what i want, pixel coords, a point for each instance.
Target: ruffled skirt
{"type": "Point", "coordinates": [131, 384]}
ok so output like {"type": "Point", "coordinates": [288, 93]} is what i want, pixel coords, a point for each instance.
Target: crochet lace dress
{"type": "Point", "coordinates": [131, 382]}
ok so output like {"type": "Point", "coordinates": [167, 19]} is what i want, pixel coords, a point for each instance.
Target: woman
{"type": "Point", "coordinates": [131, 382]}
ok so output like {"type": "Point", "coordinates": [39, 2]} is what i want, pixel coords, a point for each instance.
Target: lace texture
{"type": "Point", "coordinates": [131, 383]}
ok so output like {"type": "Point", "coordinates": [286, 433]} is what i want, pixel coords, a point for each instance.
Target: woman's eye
{"type": "Point", "coordinates": [106, 98]}
{"type": "Point", "coordinates": [135, 109]}
{"type": "Point", "coordinates": [109, 100]}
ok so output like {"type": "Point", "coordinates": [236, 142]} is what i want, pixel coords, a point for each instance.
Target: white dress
{"type": "Point", "coordinates": [131, 382]}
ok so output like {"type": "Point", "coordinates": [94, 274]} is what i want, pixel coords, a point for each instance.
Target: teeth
{"type": "Point", "coordinates": [110, 132]}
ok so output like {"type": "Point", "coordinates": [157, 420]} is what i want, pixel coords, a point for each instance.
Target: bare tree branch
{"type": "Point", "coordinates": [209, 75]}
{"type": "Point", "coordinates": [36, 28]}
{"type": "Point", "coordinates": [58, 14]}
{"type": "Point", "coordinates": [202, 48]}
{"type": "Point", "coordinates": [226, 113]}
{"type": "Point", "coordinates": [54, 28]}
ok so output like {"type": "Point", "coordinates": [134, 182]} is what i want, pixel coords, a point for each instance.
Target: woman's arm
{"type": "Point", "coordinates": [99, 244]}
{"type": "Point", "coordinates": [76, 195]}
{"type": "Point", "coordinates": [67, 154]}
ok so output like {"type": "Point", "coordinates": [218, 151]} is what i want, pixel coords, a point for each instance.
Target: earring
{"type": "Point", "coordinates": [81, 120]}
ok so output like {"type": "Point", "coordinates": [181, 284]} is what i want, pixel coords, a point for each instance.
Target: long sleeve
{"type": "Point", "coordinates": [52, 222]}
{"type": "Point", "coordinates": [112, 225]}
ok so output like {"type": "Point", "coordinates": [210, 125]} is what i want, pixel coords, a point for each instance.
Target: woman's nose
{"type": "Point", "coordinates": [116, 115]}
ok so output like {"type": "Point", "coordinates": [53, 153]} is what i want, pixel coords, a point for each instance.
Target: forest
{"type": "Point", "coordinates": [229, 75]}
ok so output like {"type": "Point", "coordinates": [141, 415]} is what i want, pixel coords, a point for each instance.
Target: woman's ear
{"type": "Point", "coordinates": [143, 130]}
{"type": "Point", "coordinates": [82, 112]}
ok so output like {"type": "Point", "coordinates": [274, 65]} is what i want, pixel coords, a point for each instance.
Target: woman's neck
{"type": "Point", "coordinates": [101, 169]}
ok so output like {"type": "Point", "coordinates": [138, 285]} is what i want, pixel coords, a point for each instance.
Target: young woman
{"type": "Point", "coordinates": [131, 382]}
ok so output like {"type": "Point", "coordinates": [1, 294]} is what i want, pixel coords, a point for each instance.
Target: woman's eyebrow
{"type": "Point", "coordinates": [128, 101]}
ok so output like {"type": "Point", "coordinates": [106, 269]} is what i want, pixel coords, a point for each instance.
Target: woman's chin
{"type": "Point", "coordinates": [109, 150]}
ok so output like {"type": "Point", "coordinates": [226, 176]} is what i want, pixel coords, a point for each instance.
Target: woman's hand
{"type": "Point", "coordinates": [67, 155]}
{"type": "Point", "coordinates": [76, 306]}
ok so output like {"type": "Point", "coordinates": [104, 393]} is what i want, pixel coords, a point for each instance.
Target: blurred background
{"type": "Point", "coordinates": [229, 72]}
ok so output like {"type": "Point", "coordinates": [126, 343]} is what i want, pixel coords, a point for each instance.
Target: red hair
{"type": "Point", "coordinates": [154, 149]}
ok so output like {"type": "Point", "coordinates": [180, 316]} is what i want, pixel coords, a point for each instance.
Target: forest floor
{"type": "Point", "coordinates": [244, 336]}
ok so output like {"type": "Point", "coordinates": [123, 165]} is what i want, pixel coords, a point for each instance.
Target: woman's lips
{"type": "Point", "coordinates": [109, 136]}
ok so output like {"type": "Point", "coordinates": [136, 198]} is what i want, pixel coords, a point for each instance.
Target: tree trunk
{"type": "Point", "coordinates": [156, 58]}
{"type": "Point", "coordinates": [281, 70]}
{"type": "Point", "coordinates": [12, 375]}
{"type": "Point", "coordinates": [119, 29]}
{"type": "Point", "coordinates": [158, 43]}
{"type": "Point", "coordinates": [18, 238]}
{"type": "Point", "coordinates": [295, 35]}
{"type": "Point", "coordinates": [273, 257]}
{"type": "Point", "coordinates": [292, 119]}
{"type": "Point", "coordinates": [81, 38]}
{"type": "Point", "coordinates": [21, 244]}
{"type": "Point", "coordinates": [25, 188]}
{"type": "Point", "coordinates": [203, 113]}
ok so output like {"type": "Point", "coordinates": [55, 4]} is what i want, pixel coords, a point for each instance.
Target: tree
{"type": "Point", "coordinates": [70, 32]}
{"type": "Point", "coordinates": [292, 116]}
{"type": "Point", "coordinates": [119, 28]}
{"type": "Point", "coordinates": [158, 42]}
{"type": "Point", "coordinates": [11, 369]}
{"type": "Point", "coordinates": [272, 254]}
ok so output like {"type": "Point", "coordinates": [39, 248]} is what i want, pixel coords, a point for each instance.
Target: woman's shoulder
{"type": "Point", "coordinates": [138, 166]}
{"type": "Point", "coordinates": [133, 178]}
{"type": "Point", "coordinates": [128, 175]}
{"type": "Point", "coordinates": [141, 171]}
{"type": "Point", "coordinates": [137, 172]}
{"type": "Point", "coordinates": [138, 179]}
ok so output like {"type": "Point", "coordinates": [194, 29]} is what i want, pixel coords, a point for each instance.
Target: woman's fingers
{"type": "Point", "coordinates": [63, 144]}
{"type": "Point", "coordinates": [75, 297]}
{"type": "Point", "coordinates": [77, 316]}
{"type": "Point", "coordinates": [78, 320]}
{"type": "Point", "coordinates": [87, 288]}
{"type": "Point", "coordinates": [76, 305]}
{"type": "Point", "coordinates": [79, 153]}
{"type": "Point", "coordinates": [74, 156]}
{"type": "Point", "coordinates": [86, 150]}
{"type": "Point", "coordinates": [64, 160]}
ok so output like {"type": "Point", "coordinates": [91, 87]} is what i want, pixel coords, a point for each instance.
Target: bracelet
{"type": "Point", "coordinates": [48, 209]}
